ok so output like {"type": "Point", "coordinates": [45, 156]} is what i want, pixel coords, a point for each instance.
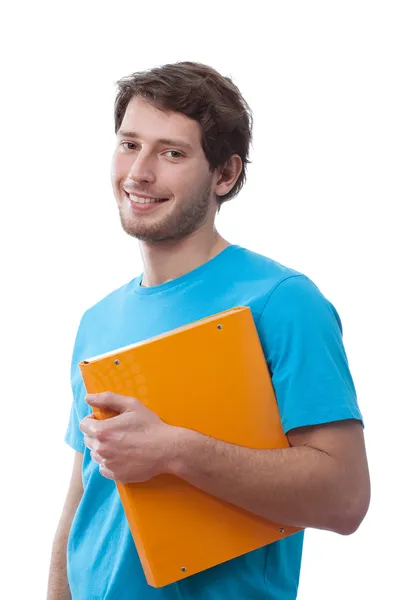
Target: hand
{"type": "Point", "coordinates": [133, 446]}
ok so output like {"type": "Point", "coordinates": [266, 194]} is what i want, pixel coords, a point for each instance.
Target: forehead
{"type": "Point", "coordinates": [141, 116]}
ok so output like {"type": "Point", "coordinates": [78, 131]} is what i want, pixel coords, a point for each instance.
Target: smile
{"type": "Point", "coordinates": [138, 200]}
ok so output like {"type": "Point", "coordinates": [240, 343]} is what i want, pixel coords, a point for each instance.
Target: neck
{"type": "Point", "coordinates": [164, 261]}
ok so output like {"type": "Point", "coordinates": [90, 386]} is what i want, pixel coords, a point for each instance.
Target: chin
{"type": "Point", "coordinates": [171, 226]}
{"type": "Point", "coordinates": [144, 232]}
{"type": "Point", "coordinates": [156, 234]}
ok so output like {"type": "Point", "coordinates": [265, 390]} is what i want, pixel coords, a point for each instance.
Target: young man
{"type": "Point", "coordinates": [183, 135]}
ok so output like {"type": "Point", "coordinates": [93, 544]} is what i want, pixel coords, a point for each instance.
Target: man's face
{"type": "Point", "coordinates": [159, 156]}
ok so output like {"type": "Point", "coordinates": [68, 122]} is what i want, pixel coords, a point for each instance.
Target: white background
{"type": "Point", "coordinates": [322, 79]}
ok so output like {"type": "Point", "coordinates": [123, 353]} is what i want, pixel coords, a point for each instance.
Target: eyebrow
{"type": "Point", "coordinates": [167, 141]}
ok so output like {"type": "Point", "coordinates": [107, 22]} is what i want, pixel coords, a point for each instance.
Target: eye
{"type": "Point", "coordinates": [180, 155]}
{"type": "Point", "coordinates": [128, 145]}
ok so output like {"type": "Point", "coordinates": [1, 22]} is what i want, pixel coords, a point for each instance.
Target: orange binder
{"type": "Point", "coordinates": [210, 376]}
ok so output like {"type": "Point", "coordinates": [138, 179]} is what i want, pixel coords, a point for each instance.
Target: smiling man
{"type": "Point", "coordinates": [183, 133]}
{"type": "Point", "coordinates": [171, 197]}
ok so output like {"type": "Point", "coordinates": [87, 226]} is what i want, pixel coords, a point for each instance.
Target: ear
{"type": "Point", "coordinates": [228, 175]}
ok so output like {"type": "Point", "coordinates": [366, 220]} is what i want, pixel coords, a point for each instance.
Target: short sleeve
{"type": "Point", "coordinates": [301, 334]}
{"type": "Point", "coordinates": [74, 436]}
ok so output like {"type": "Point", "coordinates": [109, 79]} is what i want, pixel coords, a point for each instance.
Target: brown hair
{"type": "Point", "coordinates": [202, 94]}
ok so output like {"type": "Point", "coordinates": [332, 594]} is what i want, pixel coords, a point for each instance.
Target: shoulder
{"type": "Point", "coordinates": [297, 298]}
{"type": "Point", "coordinates": [254, 263]}
{"type": "Point", "coordinates": [280, 289]}
{"type": "Point", "coordinates": [110, 304]}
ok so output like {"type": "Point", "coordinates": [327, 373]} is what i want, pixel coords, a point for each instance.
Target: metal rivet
{"type": "Point", "coordinates": [281, 531]}
{"type": "Point", "coordinates": [183, 569]}
{"type": "Point", "coordinates": [219, 326]}
{"type": "Point", "coordinates": [116, 362]}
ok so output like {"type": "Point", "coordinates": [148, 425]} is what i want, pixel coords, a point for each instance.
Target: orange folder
{"type": "Point", "coordinates": [210, 376]}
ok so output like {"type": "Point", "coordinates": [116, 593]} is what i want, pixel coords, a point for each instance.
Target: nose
{"type": "Point", "coordinates": [141, 169]}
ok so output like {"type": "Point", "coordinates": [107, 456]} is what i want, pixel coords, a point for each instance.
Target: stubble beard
{"type": "Point", "coordinates": [175, 226]}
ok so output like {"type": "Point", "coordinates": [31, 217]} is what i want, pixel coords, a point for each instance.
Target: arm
{"type": "Point", "coordinates": [58, 588]}
{"type": "Point", "coordinates": [321, 481]}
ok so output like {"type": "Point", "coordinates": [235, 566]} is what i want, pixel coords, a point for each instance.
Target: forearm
{"type": "Point", "coordinates": [58, 588]}
{"type": "Point", "coordinates": [292, 486]}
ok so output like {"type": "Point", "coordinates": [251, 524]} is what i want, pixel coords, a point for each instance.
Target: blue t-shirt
{"type": "Point", "coordinates": [301, 335]}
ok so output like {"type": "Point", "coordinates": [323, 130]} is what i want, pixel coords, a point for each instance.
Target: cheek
{"type": "Point", "coordinates": [119, 169]}
{"type": "Point", "coordinates": [195, 183]}
{"type": "Point", "coordinates": [183, 181]}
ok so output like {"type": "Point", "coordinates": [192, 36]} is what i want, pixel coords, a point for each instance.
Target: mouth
{"type": "Point", "coordinates": [139, 201]}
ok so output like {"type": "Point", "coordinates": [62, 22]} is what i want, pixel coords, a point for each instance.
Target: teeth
{"type": "Point", "coordinates": [144, 200]}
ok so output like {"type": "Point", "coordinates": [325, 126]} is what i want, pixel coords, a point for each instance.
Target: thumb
{"type": "Point", "coordinates": [110, 400]}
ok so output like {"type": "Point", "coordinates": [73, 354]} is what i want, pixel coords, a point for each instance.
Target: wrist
{"type": "Point", "coordinates": [179, 448]}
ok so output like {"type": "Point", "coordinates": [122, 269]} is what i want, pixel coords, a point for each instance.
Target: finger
{"type": "Point", "coordinates": [106, 472]}
{"type": "Point", "coordinates": [92, 426]}
{"type": "Point", "coordinates": [91, 443]}
{"type": "Point", "coordinates": [97, 458]}
{"type": "Point", "coordinates": [115, 402]}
